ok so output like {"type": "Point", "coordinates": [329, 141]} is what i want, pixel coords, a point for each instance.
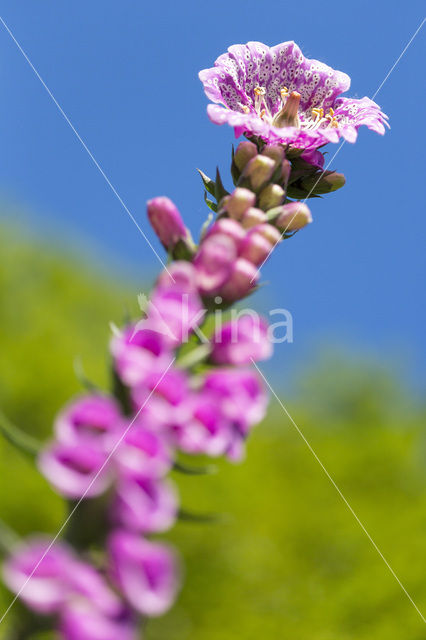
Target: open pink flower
{"type": "Point", "coordinates": [145, 572]}
{"type": "Point", "coordinates": [281, 96]}
{"type": "Point", "coordinates": [75, 470]}
{"type": "Point", "coordinates": [47, 588]}
{"type": "Point", "coordinates": [80, 620]}
{"type": "Point", "coordinates": [145, 505]}
{"type": "Point", "coordinates": [241, 340]}
{"type": "Point", "coordinates": [91, 419]}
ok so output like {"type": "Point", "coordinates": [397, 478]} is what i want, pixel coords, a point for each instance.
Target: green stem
{"type": "Point", "coordinates": [194, 471]}
{"type": "Point", "coordinates": [194, 357]}
{"type": "Point", "coordinates": [19, 439]}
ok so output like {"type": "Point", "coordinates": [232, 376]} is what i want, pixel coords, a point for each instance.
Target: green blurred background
{"type": "Point", "coordinates": [288, 560]}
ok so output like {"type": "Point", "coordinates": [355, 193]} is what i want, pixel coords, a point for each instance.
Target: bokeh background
{"type": "Point", "coordinates": [287, 560]}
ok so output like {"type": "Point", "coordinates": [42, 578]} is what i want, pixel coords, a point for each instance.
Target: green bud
{"type": "Point", "coordinates": [239, 202]}
{"type": "Point", "coordinates": [320, 183]}
{"type": "Point", "coordinates": [271, 196]}
{"type": "Point", "coordinates": [258, 171]}
{"type": "Point", "coordinates": [292, 217]}
{"type": "Point", "coordinates": [253, 217]}
{"type": "Point", "coordinates": [274, 151]}
{"type": "Point", "coordinates": [245, 151]}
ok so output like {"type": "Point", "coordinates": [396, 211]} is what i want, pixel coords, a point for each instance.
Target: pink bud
{"type": "Point", "coordinates": [214, 262]}
{"type": "Point", "coordinates": [241, 281]}
{"type": "Point", "coordinates": [166, 222]}
{"type": "Point", "coordinates": [230, 228]}
{"type": "Point", "coordinates": [256, 248]}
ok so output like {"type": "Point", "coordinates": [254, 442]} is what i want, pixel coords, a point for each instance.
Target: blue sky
{"type": "Point", "coordinates": [126, 75]}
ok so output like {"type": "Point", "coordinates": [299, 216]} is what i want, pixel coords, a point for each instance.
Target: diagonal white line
{"type": "Point", "coordinates": [72, 512]}
{"type": "Point", "coordinates": [85, 147]}
{"type": "Point", "coordinates": [340, 147]}
{"type": "Point", "coordinates": [399, 58]}
{"type": "Point", "coordinates": [340, 492]}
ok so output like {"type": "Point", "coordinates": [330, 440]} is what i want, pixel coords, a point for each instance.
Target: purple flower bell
{"type": "Point", "coordinates": [146, 572]}
{"type": "Point", "coordinates": [241, 340]}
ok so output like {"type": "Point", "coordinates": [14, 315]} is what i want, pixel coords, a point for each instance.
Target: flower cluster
{"type": "Point", "coordinates": [174, 390]}
{"type": "Point", "coordinates": [124, 444]}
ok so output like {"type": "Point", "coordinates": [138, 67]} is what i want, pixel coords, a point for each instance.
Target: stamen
{"type": "Point", "coordinates": [288, 116]}
{"type": "Point", "coordinates": [244, 108]}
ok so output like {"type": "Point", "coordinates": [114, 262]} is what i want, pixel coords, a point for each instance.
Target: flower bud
{"type": "Point", "coordinates": [274, 151]}
{"type": "Point", "coordinates": [167, 223]}
{"type": "Point", "coordinates": [285, 172]}
{"type": "Point", "coordinates": [253, 217]}
{"type": "Point", "coordinates": [259, 170]}
{"type": "Point", "coordinates": [271, 196]}
{"type": "Point", "coordinates": [228, 227]}
{"type": "Point", "coordinates": [269, 232]}
{"type": "Point", "coordinates": [245, 151]}
{"type": "Point", "coordinates": [239, 201]}
{"type": "Point", "coordinates": [320, 183]}
{"type": "Point", "coordinates": [293, 216]}
{"type": "Point", "coordinates": [214, 262]}
{"type": "Point", "coordinates": [241, 281]}
{"type": "Point", "coordinates": [255, 248]}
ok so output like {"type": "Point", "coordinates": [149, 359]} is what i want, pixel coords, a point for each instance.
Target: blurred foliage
{"type": "Point", "coordinates": [287, 560]}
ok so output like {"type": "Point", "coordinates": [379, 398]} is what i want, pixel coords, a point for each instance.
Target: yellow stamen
{"type": "Point", "coordinates": [259, 91]}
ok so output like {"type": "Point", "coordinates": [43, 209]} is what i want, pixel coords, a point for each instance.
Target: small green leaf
{"type": "Point", "coordinates": [211, 205]}
{"type": "Point", "coordinates": [21, 440]}
{"type": "Point", "coordinates": [208, 183]}
{"type": "Point", "coordinates": [220, 190]}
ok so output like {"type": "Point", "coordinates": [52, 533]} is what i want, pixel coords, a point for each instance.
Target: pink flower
{"type": "Point", "coordinates": [167, 222]}
{"type": "Point", "coordinates": [75, 470]}
{"type": "Point", "coordinates": [211, 420]}
{"type": "Point", "coordinates": [46, 590]}
{"type": "Point", "coordinates": [145, 572]}
{"type": "Point", "coordinates": [48, 577]}
{"type": "Point", "coordinates": [144, 505]}
{"type": "Point", "coordinates": [277, 94]}
{"type": "Point", "coordinates": [241, 340]}
{"type": "Point", "coordinates": [214, 262]}
{"type": "Point", "coordinates": [233, 389]}
{"type": "Point", "coordinates": [138, 351]}
{"type": "Point", "coordinates": [200, 426]}
{"type": "Point", "coordinates": [241, 281]}
{"type": "Point", "coordinates": [175, 308]}
{"type": "Point", "coordinates": [91, 419]}
{"type": "Point", "coordinates": [81, 621]}
{"type": "Point", "coordinates": [144, 451]}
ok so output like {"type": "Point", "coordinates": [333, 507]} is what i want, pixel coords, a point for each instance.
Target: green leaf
{"type": "Point", "coordinates": [220, 190]}
{"type": "Point", "coordinates": [208, 183]}
{"type": "Point", "coordinates": [194, 471]}
{"type": "Point", "coordinates": [21, 440]}
{"type": "Point", "coordinates": [211, 205]}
